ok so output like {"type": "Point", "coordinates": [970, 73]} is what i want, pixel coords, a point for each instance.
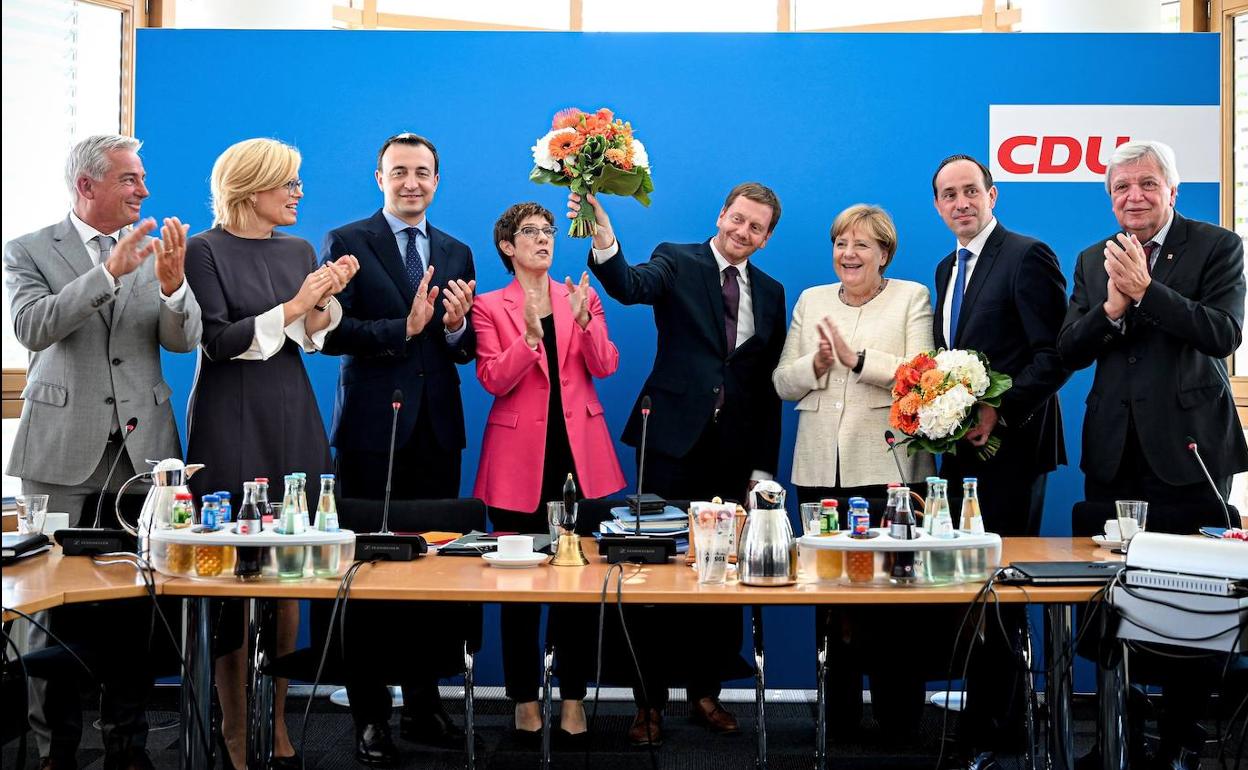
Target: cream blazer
{"type": "Point", "coordinates": [842, 416]}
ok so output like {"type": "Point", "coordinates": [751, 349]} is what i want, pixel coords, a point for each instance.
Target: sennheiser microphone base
{"type": "Point", "coordinates": [388, 546]}
{"type": "Point", "coordinates": [93, 541]}
{"type": "Point", "coordinates": [636, 549]}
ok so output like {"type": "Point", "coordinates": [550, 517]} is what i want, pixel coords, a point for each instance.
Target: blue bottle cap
{"type": "Point", "coordinates": [211, 499]}
{"type": "Point", "coordinates": [969, 478]}
{"type": "Point", "coordinates": [326, 476]}
{"type": "Point", "coordinates": [223, 495]}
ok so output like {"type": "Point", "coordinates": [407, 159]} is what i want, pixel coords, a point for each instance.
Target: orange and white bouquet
{"type": "Point", "coordinates": [936, 398]}
{"type": "Point", "coordinates": [592, 153]}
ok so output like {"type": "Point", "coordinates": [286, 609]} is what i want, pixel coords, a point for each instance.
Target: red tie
{"type": "Point", "coordinates": [1150, 252]}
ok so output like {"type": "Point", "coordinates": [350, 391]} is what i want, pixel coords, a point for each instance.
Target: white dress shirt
{"type": "Point", "coordinates": [976, 246]}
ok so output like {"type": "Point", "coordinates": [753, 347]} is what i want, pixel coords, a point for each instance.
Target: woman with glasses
{"type": "Point", "coordinates": [540, 344]}
{"type": "Point", "coordinates": [252, 411]}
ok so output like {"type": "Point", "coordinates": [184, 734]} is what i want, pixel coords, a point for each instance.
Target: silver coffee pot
{"type": "Point", "coordinates": [167, 477]}
{"type": "Point", "coordinates": [767, 553]}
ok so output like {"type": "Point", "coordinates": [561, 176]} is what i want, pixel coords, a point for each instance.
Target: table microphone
{"type": "Point", "coordinates": [638, 548]}
{"type": "Point", "coordinates": [386, 545]}
{"type": "Point", "coordinates": [1226, 512]}
{"type": "Point", "coordinates": [891, 440]}
{"type": "Point", "coordinates": [641, 464]}
{"type": "Point", "coordinates": [95, 540]}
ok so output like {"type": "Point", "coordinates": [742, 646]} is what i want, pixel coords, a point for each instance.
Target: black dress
{"type": "Point", "coordinates": [571, 627]}
{"type": "Point", "coordinates": [249, 418]}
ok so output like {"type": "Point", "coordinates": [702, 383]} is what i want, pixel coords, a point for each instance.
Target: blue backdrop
{"type": "Point", "coordinates": [827, 120]}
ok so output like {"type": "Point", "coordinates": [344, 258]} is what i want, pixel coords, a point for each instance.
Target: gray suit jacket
{"type": "Point", "coordinates": [91, 352]}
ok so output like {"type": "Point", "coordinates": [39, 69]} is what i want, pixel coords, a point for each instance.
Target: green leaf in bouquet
{"type": "Point", "coordinates": [647, 186]}
{"type": "Point", "coordinates": [997, 385]}
{"type": "Point", "coordinates": [541, 175]}
{"type": "Point", "coordinates": [616, 181]}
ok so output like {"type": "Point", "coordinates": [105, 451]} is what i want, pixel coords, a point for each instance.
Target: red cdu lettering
{"type": "Point", "coordinates": [1093, 157]}
{"type": "Point", "coordinates": [1047, 164]}
{"type": "Point", "coordinates": [1005, 154]}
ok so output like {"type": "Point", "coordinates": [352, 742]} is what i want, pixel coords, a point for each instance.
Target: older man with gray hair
{"type": "Point", "coordinates": [94, 310]}
{"type": "Point", "coordinates": [1158, 308]}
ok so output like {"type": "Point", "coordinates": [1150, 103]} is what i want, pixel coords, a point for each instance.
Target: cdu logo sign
{"type": "Point", "coordinates": [1073, 142]}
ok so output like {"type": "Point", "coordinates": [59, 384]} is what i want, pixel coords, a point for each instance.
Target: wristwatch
{"type": "Point", "coordinates": [322, 308]}
{"type": "Point", "coordinates": [862, 358]}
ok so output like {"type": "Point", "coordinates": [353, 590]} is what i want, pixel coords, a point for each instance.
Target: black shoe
{"type": "Point", "coordinates": [128, 759]}
{"type": "Point", "coordinates": [985, 761]}
{"type": "Point", "coordinates": [374, 747]}
{"type": "Point", "coordinates": [562, 740]}
{"type": "Point", "coordinates": [286, 763]}
{"type": "Point", "coordinates": [434, 729]}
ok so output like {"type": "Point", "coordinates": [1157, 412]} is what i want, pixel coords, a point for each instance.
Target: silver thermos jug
{"type": "Point", "coordinates": [767, 553]}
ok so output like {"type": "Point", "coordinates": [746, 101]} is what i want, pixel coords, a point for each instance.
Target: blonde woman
{"type": "Point", "coordinates": [252, 411]}
{"type": "Point", "coordinates": [843, 346]}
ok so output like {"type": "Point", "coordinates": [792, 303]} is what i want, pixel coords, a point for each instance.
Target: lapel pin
{"type": "Point", "coordinates": [1169, 257]}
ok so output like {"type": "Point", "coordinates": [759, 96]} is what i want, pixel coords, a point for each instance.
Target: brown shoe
{"type": "Point", "coordinates": [710, 714]}
{"type": "Point", "coordinates": [647, 729]}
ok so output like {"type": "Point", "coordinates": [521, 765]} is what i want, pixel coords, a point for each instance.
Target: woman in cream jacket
{"type": "Point", "coordinates": [843, 346]}
{"type": "Point", "coordinates": [842, 349]}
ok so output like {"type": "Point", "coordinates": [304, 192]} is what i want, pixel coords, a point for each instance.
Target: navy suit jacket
{"type": "Point", "coordinates": [1012, 312]}
{"type": "Point", "coordinates": [1168, 368]}
{"type": "Point", "coordinates": [692, 362]}
{"type": "Point", "coordinates": [375, 358]}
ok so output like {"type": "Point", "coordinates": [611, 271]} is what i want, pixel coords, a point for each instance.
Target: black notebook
{"type": "Point", "coordinates": [20, 546]}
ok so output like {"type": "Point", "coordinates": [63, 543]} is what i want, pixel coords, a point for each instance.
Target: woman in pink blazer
{"type": "Point", "coordinates": [539, 346]}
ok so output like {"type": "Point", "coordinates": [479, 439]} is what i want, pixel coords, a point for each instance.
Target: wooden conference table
{"type": "Point", "coordinates": [52, 580]}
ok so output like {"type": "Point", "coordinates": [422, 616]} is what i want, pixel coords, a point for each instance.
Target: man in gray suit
{"type": "Point", "coordinates": [94, 311]}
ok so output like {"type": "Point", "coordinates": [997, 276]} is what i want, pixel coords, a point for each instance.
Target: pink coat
{"type": "Point", "coordinates": [510, 473]}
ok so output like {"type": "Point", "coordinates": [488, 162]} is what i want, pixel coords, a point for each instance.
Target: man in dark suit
{"type": "Point", "coordinates": [395, 334]}
{"type": "Point", "coordinates": [1002, 294]}
{"type": "Point", "coordinates": [1158, 308]}
{"type": "Point", "coordinates": [716, 415]}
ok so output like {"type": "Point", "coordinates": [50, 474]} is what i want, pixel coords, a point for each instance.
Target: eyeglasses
{"type": "Point", "coordinates": [532, 232]}
{"type": "Point", "coordinates": [294, 186]}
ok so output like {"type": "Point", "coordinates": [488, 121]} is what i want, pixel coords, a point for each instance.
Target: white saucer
{"type": "Point", "coordinates": [532, 560]}
{"type": "Point", "coordinates": [1105, 542]}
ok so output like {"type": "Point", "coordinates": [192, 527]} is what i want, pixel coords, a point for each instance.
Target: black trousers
{"type": "Point", "coordinates": [1011, 497]}
{"type": "Point", "coordinates": [859, 638]}
{"type": "Point", "coordinates": [423, 470]}
{"type": "Point", "coordinates": [715, 466]}
{"type": "Point", "coordinates": [1186, 682]}
{"type": "Point", "coordinates": [113, 638]}
{"type": "Point", "coordinates": [571, 628]}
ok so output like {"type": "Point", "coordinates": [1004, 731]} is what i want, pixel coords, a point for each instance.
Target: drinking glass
{"type": "Point", "coordinates": [554, 520]}
{"type": "Point", "coordinates": [712, 532]}
{"type": "Point", "coordinates": [31, 511]}
{"type": "Point", "coordinates": [1132, 516]}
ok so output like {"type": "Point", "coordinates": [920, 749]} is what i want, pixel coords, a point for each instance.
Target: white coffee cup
{"type": "Point", "coordinates": [515, 546]}
{"type": "Point", "coordinates": [1129, 527]}
{"type": "Point", "coordinates": [55, 520]}
{"type": "Point", "coordinates": [1112, 530]}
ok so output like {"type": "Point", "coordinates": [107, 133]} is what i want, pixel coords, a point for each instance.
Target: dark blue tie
{"type": "Point", "coordinates": [959, 289]}
{"type": "Point", "coordinates": [415, 266]}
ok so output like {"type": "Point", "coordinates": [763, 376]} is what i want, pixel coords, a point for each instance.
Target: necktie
{"type": "Point", "coordinates": [732, 299]}
{"type": "Point", "coordinates": [959, 289]}
{"type": "Point", "coordinates": [1150, 252]}
{"type": "Point", "coordinates": [106, 243]}
{"type": "Point", "coordinates": [415, 267]}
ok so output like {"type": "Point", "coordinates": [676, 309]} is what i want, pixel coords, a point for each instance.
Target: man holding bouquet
{"type": "Point", "coordinates": [1001, 294]}
{"type": "Point", "coordinates": [716, 416]}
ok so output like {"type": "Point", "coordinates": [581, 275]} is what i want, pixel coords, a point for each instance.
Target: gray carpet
{"type": "Point", "coordinates": [790, 731]}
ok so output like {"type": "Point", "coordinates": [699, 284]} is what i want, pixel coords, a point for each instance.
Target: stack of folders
{"type": "Point", "coordinates": [670, 522]}
{"type": "Point", "coordinates": [21, 546]}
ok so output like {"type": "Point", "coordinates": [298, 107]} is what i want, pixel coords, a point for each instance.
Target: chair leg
{"type": "Point", "coordinates": [470, 748]}
{"type": "Point", "coordinates": [760, 686]}
{"type": "Point", "coordinates": [821, 700]}
{"type": "Point", "coordinates": [548, 667]}
{"type": "Point", "coordinates": [263, 713]}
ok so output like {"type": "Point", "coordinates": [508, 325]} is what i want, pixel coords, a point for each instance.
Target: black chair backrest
{"type": "Point", "coordinates": [1088, 518]}
{"type": "Point", "coordinates": [450, 515]}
